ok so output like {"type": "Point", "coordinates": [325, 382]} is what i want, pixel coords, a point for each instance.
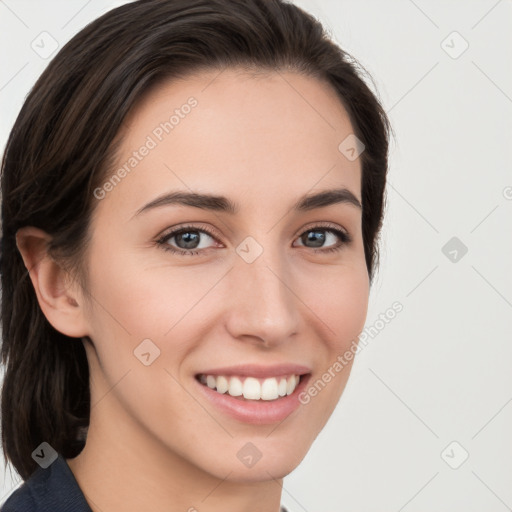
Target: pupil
{"type": "Point", "coordinates": [189, 237]}
{"type": "Point", "coordinates": [317, 237]}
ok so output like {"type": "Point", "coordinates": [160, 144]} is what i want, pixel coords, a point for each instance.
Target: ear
{"type": "Point", "coordinates": [60, 301]}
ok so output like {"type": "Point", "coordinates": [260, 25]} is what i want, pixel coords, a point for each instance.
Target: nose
{"type": "Point", "coordinates": [263, 307]}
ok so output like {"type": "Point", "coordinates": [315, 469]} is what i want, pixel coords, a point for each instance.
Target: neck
{"type": "Point", "coordinates": [123, 467]}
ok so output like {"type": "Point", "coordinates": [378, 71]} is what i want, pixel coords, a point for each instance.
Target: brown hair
{"type": "Point", "coordinates": [62, 146]}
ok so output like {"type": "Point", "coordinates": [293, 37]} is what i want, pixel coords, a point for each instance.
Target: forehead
{"type": "Point", "coordinates": [228, 132]}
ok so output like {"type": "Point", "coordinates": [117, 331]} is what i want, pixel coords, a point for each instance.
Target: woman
{"type": "Point", "coordinates": [192, 197]}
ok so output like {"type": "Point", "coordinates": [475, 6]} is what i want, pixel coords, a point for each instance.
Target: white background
{"type": "Point", "coordinates": [440, 371]}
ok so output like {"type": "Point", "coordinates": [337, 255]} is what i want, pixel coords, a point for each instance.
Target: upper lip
{"type": "Point", "coordinates": [254, 370]}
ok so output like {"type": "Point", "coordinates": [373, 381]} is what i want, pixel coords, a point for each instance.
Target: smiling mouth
{"type": "Point", "coordinates": [251, 388]}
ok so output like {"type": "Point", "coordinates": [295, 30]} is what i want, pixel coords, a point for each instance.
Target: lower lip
{"type": "Point", "coordinates": [256, 412]}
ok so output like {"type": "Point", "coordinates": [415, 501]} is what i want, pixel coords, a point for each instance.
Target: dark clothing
{"type": "Point", "coordinates": [53, 489]}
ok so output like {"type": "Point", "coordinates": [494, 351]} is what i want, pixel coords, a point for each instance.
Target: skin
{"type": "Point", "coordinates": [154, 442]}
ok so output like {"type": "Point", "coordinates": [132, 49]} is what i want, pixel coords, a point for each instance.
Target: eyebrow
{"type": "Point", "coordinates": [223, 204]}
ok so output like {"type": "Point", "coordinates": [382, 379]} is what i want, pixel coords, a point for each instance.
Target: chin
{"type": "Point", "coordinates": [260, 472]}
{"type": "Point", "coordinates": [250, 464]}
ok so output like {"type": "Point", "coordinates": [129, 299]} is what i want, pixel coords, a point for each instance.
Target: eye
{"type": "Point", "coordinates": [321, 234]}
{"type": "Point", "coordinates": [190, 240]}
{"type": "Point", "coordinates": [187, 238]}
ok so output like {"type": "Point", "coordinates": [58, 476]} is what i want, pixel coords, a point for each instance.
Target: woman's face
{"type": "Point", "coordinates": [262, 285]}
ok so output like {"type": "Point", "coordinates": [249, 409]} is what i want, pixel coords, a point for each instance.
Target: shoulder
{"type": "Point", "coordinates": [51, 489]}
{"type": "Point", "coordinates": [21, 500]}
{"type": "Point", "coordinates": [27, 497]}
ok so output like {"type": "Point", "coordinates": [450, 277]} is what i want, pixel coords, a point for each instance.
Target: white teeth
{"type": "Point", "coordinates": [269, 389]}
{"type": "Point", "coordinates": [252, 388]}
{"type": "Point", "coordinates": [222, 384]}
{"type": "Point", "coordinates": [235, 386]}
{"type": "Point", "coordinates": [290, 384]}
{"type": "Point", "coordinates": [211, 381]}
{"type": "Point", "coordinates": [282, 387]}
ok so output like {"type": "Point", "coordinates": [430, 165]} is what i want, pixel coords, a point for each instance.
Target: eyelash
{"type": "Point", "coordinates": [162, 241]}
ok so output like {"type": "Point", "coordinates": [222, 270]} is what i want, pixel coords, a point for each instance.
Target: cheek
{"type": "Point", "coordinates": [341, 306]}
{"type": "Point", "coordinates": [146, 301]}
{"type": "Point", "coordinates": [340, 301]}
{"type": "Point", "coordinates": [350, 315]}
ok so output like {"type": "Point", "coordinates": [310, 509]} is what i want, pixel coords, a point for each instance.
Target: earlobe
{"type": "Point", "coordinates": [58, 299]}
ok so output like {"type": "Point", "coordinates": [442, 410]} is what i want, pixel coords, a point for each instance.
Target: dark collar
{"type": "Point", "coordinates": [53, 489]}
